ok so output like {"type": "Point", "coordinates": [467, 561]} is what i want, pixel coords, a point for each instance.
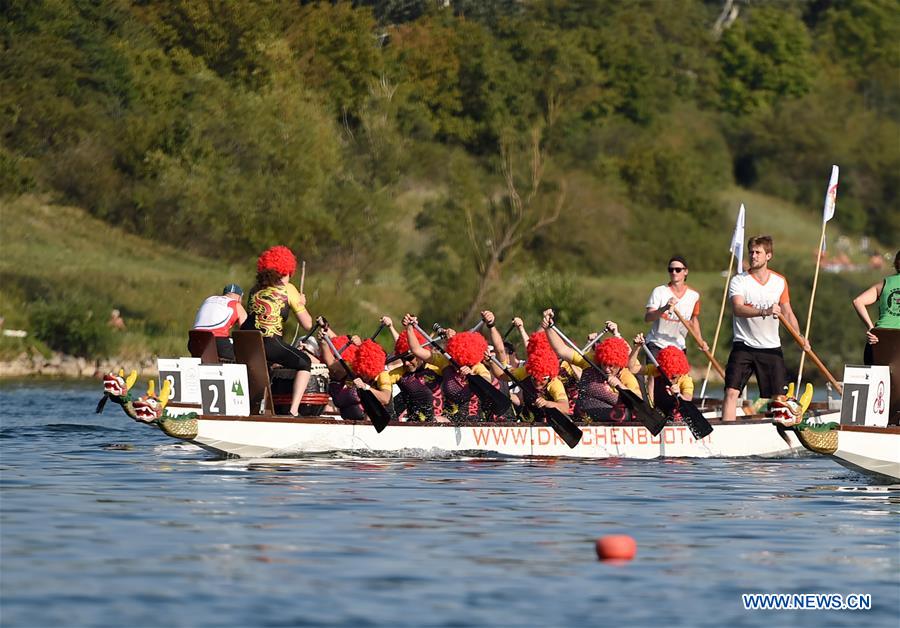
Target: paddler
{"type": "Point", "coordinates": [271, 300]}
{"type": "Point", "coordinates": [366, 359]}
{"type": "Point", "coordinates": [674, 365]}
{"type": "Point", "coordinates": [467, 348]}
{"type": "Point", "coordinates": [597, 391]}
{"type": "Point", "coordinates": [419, 383]}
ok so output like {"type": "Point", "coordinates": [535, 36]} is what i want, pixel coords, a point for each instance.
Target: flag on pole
{"type": "Point", "coordinates": [737, 240]}
{"type": "Point", "coordinates": [831, 195]}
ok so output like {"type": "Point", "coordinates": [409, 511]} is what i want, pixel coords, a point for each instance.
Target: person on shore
{"type": "Point", "coordinates": [271, 300]}
{"type": "Point", "coordinates": [886, 293]}
{"type": "Point", "coordinates": [757, 296]}
{"type": "Point", "coordinates": [116, 321]}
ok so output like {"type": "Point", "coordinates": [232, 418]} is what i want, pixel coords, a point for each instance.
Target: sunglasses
{"type": "Point", "coordinates": [674, 269]}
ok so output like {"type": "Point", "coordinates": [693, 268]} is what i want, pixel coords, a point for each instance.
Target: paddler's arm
{"type": "Point", "coordinates": [496, 339]}
{"type": "Point", "coordinates": [381, 389]}
{"type": "Point", "coordinates": [328, 358]}
{"type": "Point", "coordinates": [520, 325]}
{"type": "Point", "coordinates": [409, 322]}
{"type": "Point", "coordinates": [634, 365]}
{"type": "Point", "coordinates": [561, 349]}
{"type": "Point", "coordinates": [558, 398]}
{"type": "Point", "coordinates": [387, 322]}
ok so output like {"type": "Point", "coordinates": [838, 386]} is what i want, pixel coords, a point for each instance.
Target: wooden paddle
{"type": "Point", "coordinates": [643, 411]}
{"type": "Point", "coordinates": [699, 341]}
{"type": "Point", "coordinates": [561, 424]}
{"type": "Point", "coordinates": [812, 356]}
{"type": "Point", "coordinates": [373, 408]}
{"type": "Point", "coordinates": [695, 420]}
{"type": "Point", "coordinates": [482, 388]}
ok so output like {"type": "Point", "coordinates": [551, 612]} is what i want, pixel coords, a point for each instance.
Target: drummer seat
{"type": "Point", "coordinates": [202, 344]}
{"type": "Point", "coordinates": [249, 350]}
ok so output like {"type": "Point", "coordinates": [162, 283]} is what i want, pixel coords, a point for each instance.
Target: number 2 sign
{"type": "Point", "coordinates": [866, 396]}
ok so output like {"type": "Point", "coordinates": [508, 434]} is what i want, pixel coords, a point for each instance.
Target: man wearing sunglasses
{"type": "Point", "coordinates": [667, 330]}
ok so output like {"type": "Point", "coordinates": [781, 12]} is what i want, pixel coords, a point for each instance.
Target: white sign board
{"type": "Point", "coordinates": [867, 395]}
{"type": "Point", "coordinates": [223, 389]}
{"type": "Point", "coordinates": [183, 377]}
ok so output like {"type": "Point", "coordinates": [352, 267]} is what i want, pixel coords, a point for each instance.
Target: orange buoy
{"type": "Point", "coordinates": [616, 547]}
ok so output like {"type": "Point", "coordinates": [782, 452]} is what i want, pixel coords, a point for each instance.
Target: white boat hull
{"type": "Point", "coordinates": [875, 451]}
{"type": "Point", "coordinates": [264, 437]}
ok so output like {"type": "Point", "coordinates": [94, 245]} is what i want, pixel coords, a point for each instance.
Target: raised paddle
{"type": "Point", "coordinates": [561, 424]}
{"type": "Point", "coordinates": [812, 356]}
{"type": "Point", "coordinates": [596, 339]}
{"type": "Point", "coordinates": [648, 416]}
{"type": "Point", "coordinates": [482, 388]}
{"type": "Point", "coordinates": [695, 420]}
{"type": "Point", "coordinates": [302, 279]}
{"type": "Point", "coordinates": [508, 331]}
{"type": "Point", "coordinates": [699, 341]}
{"type": "Point", "coordinates": [373, 408]}
{"type": "Point", "coordinates": [373, 337]}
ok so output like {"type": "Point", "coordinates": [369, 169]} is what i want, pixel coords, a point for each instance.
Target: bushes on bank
{"type": "Point", "coordinates": [74, 327]}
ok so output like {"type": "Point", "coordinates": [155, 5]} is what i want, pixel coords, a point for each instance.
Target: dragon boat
{"type": "Point", "coordinates": [230, 410]}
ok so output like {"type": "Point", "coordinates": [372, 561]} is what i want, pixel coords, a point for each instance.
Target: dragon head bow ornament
{"type": "Point", "coordinates": [117, 388]}
{"type": "Point", "coordinates": [787, 410]}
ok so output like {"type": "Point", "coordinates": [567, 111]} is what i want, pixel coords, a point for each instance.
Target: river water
{"type": "Point", "coordinates": [104, 522]}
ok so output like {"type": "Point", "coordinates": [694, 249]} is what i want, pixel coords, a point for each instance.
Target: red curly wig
{"type": "Point", "coordinates": [348, 353]}
{"type": "Point", "coordinates": [369, 360]}
{"type": "Point", "coordinates": [542, 362]}
{"type": "Point", "coordinates": [537, 341]}
{"type": "Point", "coordinates": [612, 352]}
{"type": "Point", "coordinates": [279, 259]}
{"type": "Point", "coordinates": [673, 362]}
{"type": "Point", "coordinates": [402, 344]}
{"type": "Point", "coordinates": [467, 348]}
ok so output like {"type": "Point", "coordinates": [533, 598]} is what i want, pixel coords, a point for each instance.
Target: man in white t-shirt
{"type": "Point", "coordinates": [218, 314]}
{"type": "Point", "coordinates": [757, 297]}
{"type": "Point", "coordinates": [667, 330]}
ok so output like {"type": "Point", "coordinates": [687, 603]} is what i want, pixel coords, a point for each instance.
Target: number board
{"type": "Point", "coordinates": [223, 389]}
{"type": "Point", "coordinates": [183, 378]}
{"type": "Point", "coordinates": [867, 395]}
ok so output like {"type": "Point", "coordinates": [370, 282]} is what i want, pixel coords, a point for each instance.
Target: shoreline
{"type": "Point", "coordinates": [61, 366]}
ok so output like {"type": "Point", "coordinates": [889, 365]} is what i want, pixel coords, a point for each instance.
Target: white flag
{"type": "Point", "coordinates": [737, 240]}
{"type": "Point", "coordinates": [831, 195]}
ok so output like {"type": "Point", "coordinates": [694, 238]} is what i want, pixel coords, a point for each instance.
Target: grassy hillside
{"type": "Point", "coordinates": [55, 252]}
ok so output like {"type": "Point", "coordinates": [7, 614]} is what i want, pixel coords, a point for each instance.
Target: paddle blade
{"type": "Point", "coordinates": [102, 403]}
{"type": "Point", "coordinates": [643, 412]}
{"type": "Point", "coordinates": [376, 412]}
{"type": "Point", "coordinates": [488, 394]}
{"type": "Point", "coordinates": [695, 420]}
{"type": "Point", "coordinates": [564, 426]}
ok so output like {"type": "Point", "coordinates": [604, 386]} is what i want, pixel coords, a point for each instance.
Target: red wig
{"type": "Point", "coordinates": [612, 352]}
{"type": "Point", "coordinates": [673, 362]}
{"type": "Point", "coordinates": [467, 348]}
{"type": "Point", "coordinates": [538, 341]}
{"type": "Point", "coordinates": [369, 360]}
{"type": "Point", "coordinates": [542, 362]}
{"type": "Point", "coordinates": [402, 344]}
{"type": "Point", "coordinates": [278, 258]}
{"type": "Point", "coordinates": [348, 352]}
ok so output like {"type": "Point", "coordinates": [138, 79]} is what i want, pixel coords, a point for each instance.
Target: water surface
{"type": "Point", "coordinates": [104, 522]}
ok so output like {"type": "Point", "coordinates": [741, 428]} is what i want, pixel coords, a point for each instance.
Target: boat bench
{"type": "Point", "coordinates": [249, 350]}
{"type": "Point", "coordinates": [887, 351]}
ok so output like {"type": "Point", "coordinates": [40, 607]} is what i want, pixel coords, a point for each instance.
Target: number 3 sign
{"type": "Point", "coordinates": [867, 395]}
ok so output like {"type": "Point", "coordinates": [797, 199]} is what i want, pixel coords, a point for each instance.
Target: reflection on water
{"type": "Point", "coordinates": [107, 522]}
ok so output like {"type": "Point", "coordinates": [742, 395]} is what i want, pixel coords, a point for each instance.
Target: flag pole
{"type": "Point", "coordinates": [718, 326]}
{"type": "Point", "coordinates": [737, 251]}
{"type": "Point", "coordinates": [827, 214]}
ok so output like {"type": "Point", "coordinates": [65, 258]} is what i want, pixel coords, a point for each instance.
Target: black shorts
{"type": "Point", "coordinates": [278, 351]}
{"type": "Point", "coordinates": [766, 364]}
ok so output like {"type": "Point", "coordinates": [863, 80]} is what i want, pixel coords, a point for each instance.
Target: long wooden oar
{"type": "Point", "coordinates": [695, 420]}
{"type": "Point", "coordinates": [561, 424]}
{"type": "Point", "coordinates": [373, 408]}
{"type": "Point", "coordinates": [482, 388]}
{"type": "Point", "coordinates": [697, 339]}
{"type": "Point", "coordinates": [812, 355]}
{"type": "Point", "coordinates": [645, 413]}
